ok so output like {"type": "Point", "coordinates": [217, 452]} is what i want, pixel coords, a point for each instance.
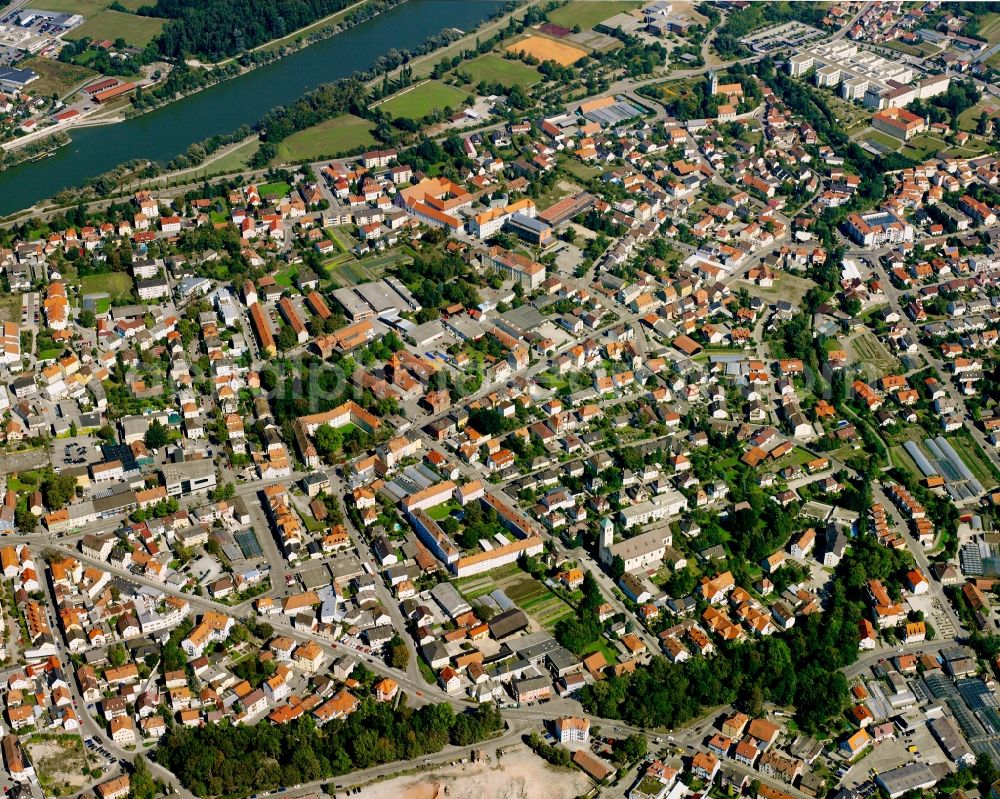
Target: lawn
{"type": "Point", "coordinates": [327, 139]}
{"type": "Point", "coordinates": [443, 511]}
{"type": "Point", "coordinates": [883, 139]}
{"type": "Point", "coordinates": [135, 30]}
{"type": "Point", "coordinates": [418, 102]}
{"type": "Point", "coordinates": [921, 147]}
{"type": "Point", "coordinates": [922, 50]}
{"type": "Point", "coordinates": [55, 77]}
{"type": "Point", "coordinates": [601, 645]}
{"type": "Point", "coordinates": [311, 524]}
{"type": "Point", "coordinates": [494, 68]}
{"type": "Point", "coordinates": [787, 287]}
{"type": "Point", "coordinates": [117, 284]}
{"type": "Point", "coordinates": [580, 170]}
{"type": "Point", "coordinates": [269, 191]}
{"type": "Point", "coordinates": [236, 159]}
{"type": "Point", "coordinates": [968, 120]}
{"type": "Point", "coordinates": [587, 13]}
{"type": "Point", "coordinates": [286, 277]}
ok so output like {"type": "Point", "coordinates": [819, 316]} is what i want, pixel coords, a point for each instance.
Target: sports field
{"type": "Point", "coordinates": [587, 13]}
{"type": "Point", "coordinates": [117, 284]}
{"type": "Point", "coordinates": [493, 68]}
{"type": "Point", "coordinates": [548, 50]}
{"type": "Point", "coordinates": [135, 30]}
{"type": "Point", "coordinates": [329, 138]}
{"type": "Point", "coordinates": [418, 102]}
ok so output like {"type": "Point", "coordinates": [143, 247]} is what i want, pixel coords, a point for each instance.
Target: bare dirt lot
{"type": "Point", "coordinates": [519, 775]}
{"type": "Point", "coordinates": [59, 761]}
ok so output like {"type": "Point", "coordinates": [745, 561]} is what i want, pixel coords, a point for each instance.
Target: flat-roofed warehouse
{"type": "Point", "coordinates": [910, 777]}
{"type": "Point", "coordinates": [355, 307]}
{"type": "Point", "coordinates": [955, 747]}
{"type": "Point", "coordinates": [381, 297]}
{"type": "Point", "coordinates": [613, 114]}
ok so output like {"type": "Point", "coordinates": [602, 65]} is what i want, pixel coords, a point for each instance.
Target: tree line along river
{"type": "Point", "coordinates": [168, 131]}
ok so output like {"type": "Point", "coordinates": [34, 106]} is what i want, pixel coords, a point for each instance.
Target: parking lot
{"type": "Point", "coordinates": [930, 605]}
{"type": "Point", "coordinates": [96, 745]}
{"type": "Point", "coordinates": [916, 745]}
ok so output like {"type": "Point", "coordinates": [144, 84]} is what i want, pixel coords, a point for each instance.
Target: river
{"type": "Point", "coordinates": [166, 132]}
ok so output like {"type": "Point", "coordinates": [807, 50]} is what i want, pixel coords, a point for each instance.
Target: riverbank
{"type": "Point", "coordinates": [302, 38]}
{"type": "Point", "coordinates": [163, 134]}
{"type": "Point", "coordinates": [294, 36]}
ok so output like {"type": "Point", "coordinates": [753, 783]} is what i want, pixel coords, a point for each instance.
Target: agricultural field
{"type": "Point", "coordinates": [588, 13]}
{"type": "Point", "coordinates": [868, 349]}
{"type": "Point", "coordinates": [332, 137]}
{"type": "Point", "coordinates": [353, 273]}
{"type": "Point", "coordinates": [977, 460]}
{"type": "Point", "coordinates": [55, 77]}
{"type": "Point", "coordinates": [524, 591]}
{"type": "Point", "coordinates": [494, 68]}
{"type": "Point", "coordinates": [548, 50]}
{"type": "Point", "coordinates": [136, 30]}
{"type": "Point", "coordinates": [86, 8]}
{"type": "Point", "coordinates": [989, 27]}
{"type": "Point", "coordinates": [900, 457]}
{"type": "Point", "coordinates": [117, 284]}
{"type": "Point", "coordinates": [418, 102]}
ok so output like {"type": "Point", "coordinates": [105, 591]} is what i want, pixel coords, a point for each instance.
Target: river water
{"type": "Point", "coordinates": [169, 131]}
